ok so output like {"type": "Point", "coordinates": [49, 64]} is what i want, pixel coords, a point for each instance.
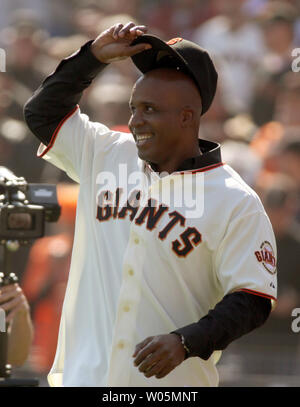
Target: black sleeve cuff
{"type": "Point", "coordinates": [237, 314]}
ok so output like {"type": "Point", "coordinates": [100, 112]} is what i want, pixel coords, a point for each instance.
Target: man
{"type": "Point", "coordinates": [146, 268]}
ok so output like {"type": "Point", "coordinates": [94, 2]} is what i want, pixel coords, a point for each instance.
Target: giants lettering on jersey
{"type": "Point", "coordinates": [108, 208]}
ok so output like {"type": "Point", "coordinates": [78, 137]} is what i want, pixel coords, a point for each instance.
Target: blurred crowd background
{"type": "Point", "coordinates": [255, 116]}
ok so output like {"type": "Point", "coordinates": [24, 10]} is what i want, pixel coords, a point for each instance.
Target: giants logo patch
{"type": "Point", "coordinates": [266, 256]}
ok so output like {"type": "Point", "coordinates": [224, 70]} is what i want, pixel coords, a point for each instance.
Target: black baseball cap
{"type": "Point", "coordinates": [182, 55]}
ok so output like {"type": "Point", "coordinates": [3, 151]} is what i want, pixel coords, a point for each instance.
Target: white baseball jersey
{"type": "Point", "coordinates": [144, 264]}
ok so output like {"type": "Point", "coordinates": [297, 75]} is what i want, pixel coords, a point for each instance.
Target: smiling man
{"type": "Point", "coordinates": [158, 123]}
{"type": "Point", "coordinates": [155, 289]}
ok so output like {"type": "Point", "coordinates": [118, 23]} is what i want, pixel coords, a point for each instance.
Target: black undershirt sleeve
{"type": "Point", "coordinates": [235, 315]}
{"type": "Point", "coordinates": [60, 92]}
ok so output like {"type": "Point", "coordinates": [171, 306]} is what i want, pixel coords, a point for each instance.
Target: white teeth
{"type": "Point", "coordinates": [141, 137]}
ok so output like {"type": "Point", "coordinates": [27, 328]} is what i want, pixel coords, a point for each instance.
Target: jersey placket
{"type": "Point", "coordinates": [124, 335]}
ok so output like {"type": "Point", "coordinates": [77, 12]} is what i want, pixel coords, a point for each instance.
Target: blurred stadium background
{"type": "Point", "coordinates": [255, 116]}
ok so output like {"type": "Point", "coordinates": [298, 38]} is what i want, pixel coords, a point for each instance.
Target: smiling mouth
{"type": "Point", "coordinates": [141, 139]}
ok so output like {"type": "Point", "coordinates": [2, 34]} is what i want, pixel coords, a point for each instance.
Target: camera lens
{"type": "Point", "coordinates": [19, 221]}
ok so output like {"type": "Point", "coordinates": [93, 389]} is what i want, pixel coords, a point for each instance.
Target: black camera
{"type": "Point", "coordinates": [24, 208]}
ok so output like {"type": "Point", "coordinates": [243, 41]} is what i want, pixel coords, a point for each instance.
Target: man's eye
{"type": "Point", "coordinates": [149, 109]}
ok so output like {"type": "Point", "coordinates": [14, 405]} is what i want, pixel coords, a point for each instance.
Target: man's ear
{"type": "Point", "coordinates": [187, 117]}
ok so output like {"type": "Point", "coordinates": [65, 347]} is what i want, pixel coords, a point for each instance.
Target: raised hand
{"type": "Point", "coordinates": [113, 44]}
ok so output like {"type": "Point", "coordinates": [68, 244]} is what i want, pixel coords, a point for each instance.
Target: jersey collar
{"type": "Point", "coordinates": [211, 155]}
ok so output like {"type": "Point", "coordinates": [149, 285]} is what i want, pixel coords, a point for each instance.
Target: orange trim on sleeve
{"type": "Point", "coordinates": [207, 168]}
{"type": "Point", "coordinates": [54, 135]}
{"type": "Point", "coordinates": [246, 290]}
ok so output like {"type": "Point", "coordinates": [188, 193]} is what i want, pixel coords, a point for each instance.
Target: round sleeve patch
{"type": "Point", "coordinates": [266, 256]}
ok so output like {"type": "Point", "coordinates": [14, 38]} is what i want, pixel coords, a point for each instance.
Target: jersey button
{"type": "Point", "coordinates": [130, 272]}
{"type": "Point", "coordinates": [126, 308]}
{"type": "Point", "coordinates": [121, 345]}
{"type": "Point", "coordinates": [136, 240]}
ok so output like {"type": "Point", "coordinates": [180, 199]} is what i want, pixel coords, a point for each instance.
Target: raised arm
{"type": "Point", "coordinates": [60, 92]}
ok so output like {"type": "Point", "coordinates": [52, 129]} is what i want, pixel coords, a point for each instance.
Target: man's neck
{"type": "Point", "coordinates": [173, 164]}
